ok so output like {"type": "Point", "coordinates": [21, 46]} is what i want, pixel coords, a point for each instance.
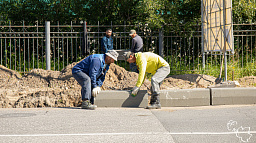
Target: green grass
{"type": "Point", "coordinates": [234, 69]}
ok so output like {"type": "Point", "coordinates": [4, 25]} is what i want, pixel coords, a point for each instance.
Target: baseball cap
{"type": "Point", "coordinates": [113, 54]}
{"type": "Point", "coordinates": [126, 55]}
{"type": "Point", "coordinates": [132, 32]}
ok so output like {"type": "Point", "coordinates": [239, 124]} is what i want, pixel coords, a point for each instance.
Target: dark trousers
{"type": "Point", "coordinates": [133, 67]}
{"type": "Point", "coordinates": [85, 81]}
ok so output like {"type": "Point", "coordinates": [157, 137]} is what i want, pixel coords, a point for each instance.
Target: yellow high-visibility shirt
{"type": "Point", "coordinates": [148, 62]}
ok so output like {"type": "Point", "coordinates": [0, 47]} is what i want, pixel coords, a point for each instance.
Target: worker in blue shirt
{"type": "Point", "coordinates": [107, 42]}
{"type": "Point", "coordinates": [90, 74]}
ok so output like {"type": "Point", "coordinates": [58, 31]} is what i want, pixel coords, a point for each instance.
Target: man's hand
{"type": "Point", "coordinates": [96, 91]}
{"type": "Point", "coordinates": [135, 90]}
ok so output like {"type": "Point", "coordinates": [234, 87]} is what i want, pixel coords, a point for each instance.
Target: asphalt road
{"type": "Point", "coordinates": [209, 124]}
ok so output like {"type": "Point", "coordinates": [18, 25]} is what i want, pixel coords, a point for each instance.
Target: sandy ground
{"type": "Point", "coordinates": [43, 88]}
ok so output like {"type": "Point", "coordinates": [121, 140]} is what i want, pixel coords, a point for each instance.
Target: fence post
{"type": "Point", "coordinates": [85, 48]}
{"type": "Point", "coordinates": [161, 43]}
{"type": "Point", "coordinates": [225, 40]}
{"type": "Point", "coordinates": [47, 45]}
{"type": "Point", "coordinates": [202, 35]}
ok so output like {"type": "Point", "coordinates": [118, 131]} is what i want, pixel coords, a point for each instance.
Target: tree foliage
{"type": "Point", "coordinates": [244, 11]}
{"type": "Point", "coordinates": [155, 13]}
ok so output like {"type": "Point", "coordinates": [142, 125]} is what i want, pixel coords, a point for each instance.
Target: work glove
{"type": "Point", "coordinates": [135, 90]}
{"type": "Point", "coordinates": [95, 91]}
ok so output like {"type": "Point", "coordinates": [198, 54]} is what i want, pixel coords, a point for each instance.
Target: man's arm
{"type": "Point", "coordinates": [133, 45]}
{"type": "Point", "coordinates": [111, 44]}
{"type": "Point", "coordinates": [104, 44]}
{"type": "Point", "coordinates": [102, 78]}
{"type": "Point", "coordinates": [93, 71]}
{"type": "Point", "coordinates": [142, 63]}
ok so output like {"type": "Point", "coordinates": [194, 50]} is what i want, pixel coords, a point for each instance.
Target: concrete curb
{"type": "Point", "coordinates": [179, 97]}
{"type": "Point", "coordinates": [231, 96]}
{"type": "Point", "coordinates": [185, 97]}
{"type": "Point", "coordinates": [119, 98]}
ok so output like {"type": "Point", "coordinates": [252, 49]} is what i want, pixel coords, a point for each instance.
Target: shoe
{"type": "Point", "coordinates": [153, 106]}
{"type": "Point", "coordinates": [88, 105]}
{"type": "Point", "coordinates": [154, 102]}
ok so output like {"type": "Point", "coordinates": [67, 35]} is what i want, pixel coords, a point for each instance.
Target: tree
{"type": "Point", "coordinates": [243, 11]}
{"type": "Point", "coordinates": [154, 13]}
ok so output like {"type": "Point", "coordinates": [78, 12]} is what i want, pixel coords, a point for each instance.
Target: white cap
{"type": "Point", "coordinates": [132, 32]}
{"type": "Point", "coordinates": [113, 54]}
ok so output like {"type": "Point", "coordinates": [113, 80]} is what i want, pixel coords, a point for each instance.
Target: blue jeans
{"type": "Point", "coordinates": [85, 81]}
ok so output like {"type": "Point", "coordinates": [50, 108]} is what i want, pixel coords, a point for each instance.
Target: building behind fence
{"type": "Point", "coordinates": [23, 47]}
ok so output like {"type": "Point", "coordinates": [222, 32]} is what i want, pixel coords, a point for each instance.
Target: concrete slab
{"type": "Point", "coordinates": [225, 84]}
{"type": "Point", "coordinates": [230, 96]}
{"type": "Point", "coordinates": [121, 52]}
{"type": "Point", "coordinates": [185, 97]}
{"type": "Point", "coordinates": [115, 98]}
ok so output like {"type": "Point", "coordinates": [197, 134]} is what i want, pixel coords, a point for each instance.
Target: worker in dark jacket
{"type": "Point", "coordinates": [107, 42]}
{"type": "Point", "coordinates": [137, 46]}
{"type": "Point", "coordinates": [90, 74]}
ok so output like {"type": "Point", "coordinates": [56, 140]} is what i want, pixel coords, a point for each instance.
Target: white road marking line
{"type": "Point", "coordinates": [146, 133]}
{"type": "Point", "coordinates": [210, 133]}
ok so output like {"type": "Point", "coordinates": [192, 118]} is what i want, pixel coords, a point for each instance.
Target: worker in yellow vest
{"type": "Point", "coordinates": [148, 62]}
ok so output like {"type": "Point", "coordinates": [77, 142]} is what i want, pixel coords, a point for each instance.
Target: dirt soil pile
{"type": "Point", "coordinates": [43, 88]}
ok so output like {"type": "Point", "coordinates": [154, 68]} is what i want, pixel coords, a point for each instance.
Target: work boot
{"type": "Point", "coordinates": [154, 106]}
{"type": "Point", "coordinates": [154, 102]}
{"type": "Point", "coordinates": [88, 105]}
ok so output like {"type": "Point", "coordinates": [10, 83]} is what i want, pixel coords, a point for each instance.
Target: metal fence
{"type": "Point", "coordinates": [23, 47]}
{"type": "Point", "coordinates": [245, 43]}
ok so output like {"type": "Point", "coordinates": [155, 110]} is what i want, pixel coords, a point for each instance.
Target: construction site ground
{"type": "Point", "coordinates": [46, 88]}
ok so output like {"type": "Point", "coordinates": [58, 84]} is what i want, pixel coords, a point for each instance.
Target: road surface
{"type": "Point", "coordinates": [207, 124]}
